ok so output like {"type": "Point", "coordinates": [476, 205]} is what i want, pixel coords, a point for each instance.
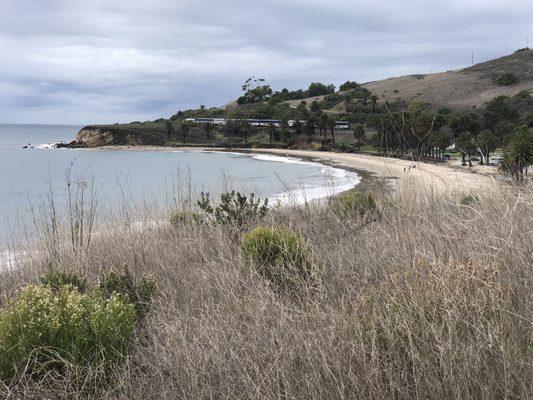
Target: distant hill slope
{"type": "Point", "coordinates": [460, 89]}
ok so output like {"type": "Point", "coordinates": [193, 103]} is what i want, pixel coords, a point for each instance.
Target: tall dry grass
{"type": "Point", "coordinates": [432, 300]}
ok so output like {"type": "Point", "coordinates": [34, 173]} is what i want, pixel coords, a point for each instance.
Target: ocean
{"type": "Point", "coordinates": [29, 175]}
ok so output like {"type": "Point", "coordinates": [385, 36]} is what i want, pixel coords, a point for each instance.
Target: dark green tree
{"type": "Point", "coordinates": [518, 155]}
{"type": "Point", "coordinates": [208, 129]}
{"type": "Point", "coordinates": [359, 135]}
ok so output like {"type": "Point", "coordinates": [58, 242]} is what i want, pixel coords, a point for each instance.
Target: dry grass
{"type": "Point", "coordinates": [431, 301]}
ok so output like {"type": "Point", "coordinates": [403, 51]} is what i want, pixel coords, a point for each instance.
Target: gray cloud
{"type": "Point", "coordinates": [74, 61]}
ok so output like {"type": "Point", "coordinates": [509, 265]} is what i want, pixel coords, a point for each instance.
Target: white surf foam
{"type": "Point", "coordinates": [286, 160]}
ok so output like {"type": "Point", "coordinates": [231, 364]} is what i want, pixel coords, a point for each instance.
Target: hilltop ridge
{"type": "Point", "coordinates": [465, 88]}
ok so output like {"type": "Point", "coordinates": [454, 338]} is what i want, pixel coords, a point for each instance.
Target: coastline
{"type": "Point", "coordinates": [401, 175]}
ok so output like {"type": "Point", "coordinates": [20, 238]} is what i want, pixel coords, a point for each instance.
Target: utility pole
{"type": "Point", "coordinates": [472, 58]}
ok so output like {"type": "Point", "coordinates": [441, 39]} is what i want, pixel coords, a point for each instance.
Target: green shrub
{"type": "Point", "coordinates": [44, 330]}
{"type": "Point", "coordinates": [179, 218]}
{"type": "Point", "coordinates": [469, 199]}
{"type": "Point", "coordinates": [507, 79]}
{"type": "Point", "coordinates": [140, 295]}
{"type": "Point", "coordinates": [235, 208]}
{"type": "Point", "coordinates": [280, 256]}
{"type": "Point", "coordinates": [57, 279]}
{"type": "Point", "coordinates": [357, 202]}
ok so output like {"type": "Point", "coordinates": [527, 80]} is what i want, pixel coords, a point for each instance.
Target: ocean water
{"type": "Point", "coordinates": [28, 175]}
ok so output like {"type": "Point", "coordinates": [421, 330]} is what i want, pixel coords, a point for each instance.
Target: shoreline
{"type": "Point", "coordinates": [401, 175]}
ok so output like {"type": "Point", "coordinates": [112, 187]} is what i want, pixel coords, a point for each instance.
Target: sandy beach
{"type": "Point", "coordinates": [403, 174]}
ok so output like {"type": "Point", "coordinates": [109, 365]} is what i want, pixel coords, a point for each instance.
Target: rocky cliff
{"type": "Point", "coordinates": [133, 134]}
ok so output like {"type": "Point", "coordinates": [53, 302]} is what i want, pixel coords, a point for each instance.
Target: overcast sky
{"type": "Point", "coordinates": [103, 61]}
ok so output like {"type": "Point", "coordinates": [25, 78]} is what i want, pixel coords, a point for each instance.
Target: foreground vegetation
{"type": "Point", "coordinates": [372, 296]}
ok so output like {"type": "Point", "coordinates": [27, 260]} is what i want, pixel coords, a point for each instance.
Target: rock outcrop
{"type": "Point", "coordinates": [133, 134]}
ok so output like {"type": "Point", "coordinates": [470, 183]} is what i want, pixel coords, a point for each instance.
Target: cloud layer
{"type": "Point", "coordinates": [78, 61]}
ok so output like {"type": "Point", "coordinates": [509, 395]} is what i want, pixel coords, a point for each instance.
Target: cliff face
{"type": "Point", "coordinates": [95, 137]}
{"type": "Point", "coordinates": [120, 135]}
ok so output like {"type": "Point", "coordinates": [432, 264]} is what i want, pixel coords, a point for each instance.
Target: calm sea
{"type": "Point", "coordinates": [27, 175]}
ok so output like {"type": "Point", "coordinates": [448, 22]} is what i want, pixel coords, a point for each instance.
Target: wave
{"type": "Point", "coordinates": [46, 146]}
{"type": "Point", "coordinates": [338, 180]}
{"type": "Point", "coordinates": [283, 159]}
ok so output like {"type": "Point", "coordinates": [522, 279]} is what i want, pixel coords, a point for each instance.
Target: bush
{"type": "Point", "coordinates": [179, 218]}
{"type": "Point", "coordinates": [469, 200]}
{"type": "Point", "coordinates": [44, 331]}
{"type": "Point", "coordinates": [57, 279]}
{"type": "Point", "coordinates": [507, 79]}
{"type": "Point", "coordinates": [279, 256]}
{"type": "Point", "coordinates": [235, 208]}
{"type": "Point", "coordinates": [348, 85]}
{"type": "Point", "coordinates": [139, 295]}
{"type": "Point", "coordinates": [357, 202]}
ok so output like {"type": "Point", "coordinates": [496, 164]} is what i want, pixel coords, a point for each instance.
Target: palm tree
{"type": "Point", "coordinates": [347, 102]}
{"type": "Point", "coordinates": [331, 125]}
{"type": "Point", "coordinates": [323, 123]}
{"type": "Point", "coordinates": [464, 144]}
{"type": "Point", "coordinates": [359, 135]}
{"type": "Point", "coordinates": [297, 127]}
{"type": "Point", "coordinates": [170, 129]}
{"type": "Point", "coordinates": [364, 96]}
{"type": "Point", "coordinates": [518, 155]}
{"type": "Point", "coordinates": [486, 143]}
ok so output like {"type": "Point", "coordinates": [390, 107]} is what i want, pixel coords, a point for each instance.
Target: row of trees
{"type": "Point", "coordinates": [257, 90]}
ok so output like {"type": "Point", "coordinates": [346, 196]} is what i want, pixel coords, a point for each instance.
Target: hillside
{"type": "Point", "coordinates": [461, 89]}
{"type": "Point", "coordinates": [499, 91]}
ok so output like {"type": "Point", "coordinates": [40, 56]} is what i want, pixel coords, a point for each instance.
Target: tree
{"type": "Point", "coordinates": [486, 142]}
{"type": "Point", "coordinates": [297, 127]}
{"type": "Point", "coordinates": [271, 132]}
{"type": "Point", "coordinates": [466, 122]}
{"type": "Point", "coordinates": [309, 127]}
{"type": "Point", "coordinates": [208, 129]}
{"type": "Point", "coordinates": [359, 135]}
{"type": "Point", "coordinates": [255, 90]}
{"type": "Point", "coordinates": [331, 125]}
{"type": "Point", "coordinates": [323, 123]}
{"type": "Point", "coordinates": [318, 89]}
{"type": "Point", "coordinates": [301, 111]}
{"type": "Point", "coordinates": [439, 142]}
{"type": "Point", "coordinates": [315, 106]}
{"type": "Point", "coordinates": [503, 130]}
{"type": "Point", "coordinates": [285, 135]}
{"type": "Point", "coordinates": [185, 128]}
{"type": "Point", "coordinates": [464, 144]}
{"type": "Point", "coordinates": [364, 96]}
{"type": "Point", "coordinates": [374, 99]}
{"type": "Point", "coordinates": [518, 155]}
{"type": "Point", "coordinates": [170, 130]}
{"type": "Point", "coordinates": [348, 86]}
{"type": "Point", "coordinates": [347, 102]}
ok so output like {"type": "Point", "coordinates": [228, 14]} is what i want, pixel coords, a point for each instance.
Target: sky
{"type": "Point", "coordinates": [106, 61]}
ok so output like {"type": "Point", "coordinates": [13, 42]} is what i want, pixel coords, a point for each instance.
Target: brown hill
{"type": "Point", "coordinates": [459, 89]}
{"type": "Point", "coordinates": [465, 88]}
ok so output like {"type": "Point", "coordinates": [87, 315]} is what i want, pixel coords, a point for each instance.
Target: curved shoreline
{"type": "Point", "coordinates": [402, 175]}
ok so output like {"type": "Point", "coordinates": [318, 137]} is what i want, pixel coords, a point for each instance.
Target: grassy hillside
{"type": "Point", "coordinates": [426, 299]}
{"type": "Point", "coordinates": [461, 89]}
